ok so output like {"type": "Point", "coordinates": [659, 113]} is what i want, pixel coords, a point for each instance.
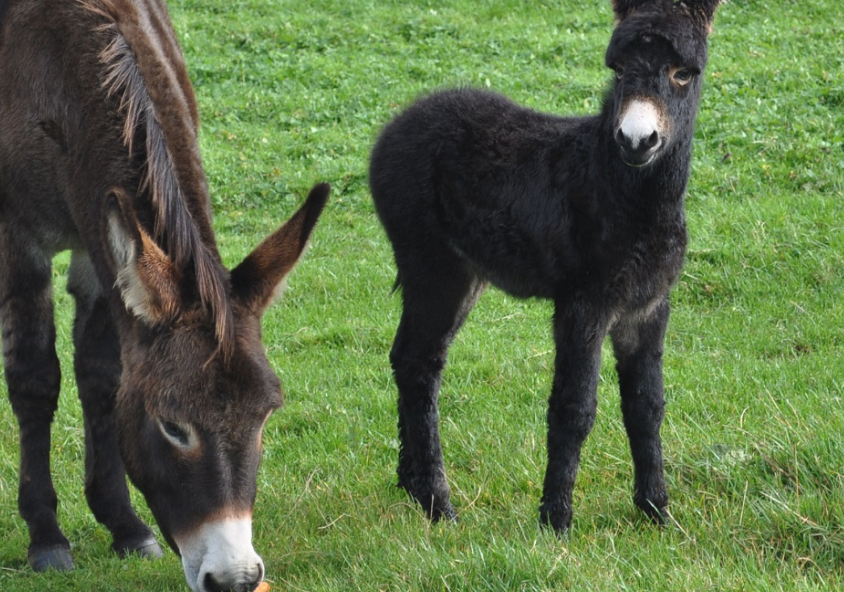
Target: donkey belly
{"type": "Point", "coordinates": [517, 267]}
{"type": "Point", "coordinates": [490, 243]}
{"type": "Point", "coordinates": [32, 205]}
{"type": "Point", "coordinates": [475, 170]}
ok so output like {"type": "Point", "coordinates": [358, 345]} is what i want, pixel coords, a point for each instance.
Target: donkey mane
{"type": "Point", "coordinates": [144, 68]}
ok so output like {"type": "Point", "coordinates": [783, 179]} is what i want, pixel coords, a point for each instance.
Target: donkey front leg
{"type": "Point", "coordinates": [435, 307]}
{"type": "Point", "coordinates": [638, 345]}
{"type": "Point", "coordinates": [578, 334]}
{"type": "Point", "coordinates": [97, 368]}
{"type": "Point", "coordinates": [33, 376]}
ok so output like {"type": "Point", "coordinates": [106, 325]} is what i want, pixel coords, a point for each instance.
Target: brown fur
{"type": "Point", "coordinates": [146, 71]}
{"type": "Point", "coordinates": [99, 155]}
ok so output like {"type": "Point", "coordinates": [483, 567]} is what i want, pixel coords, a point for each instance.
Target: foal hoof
{"type": "Point", "coordinates": [442, 513]}
{"type": "Point", "coordinates": [662, 519]}
{"type": "Point", "coordinates": [658, 515]}
{"type": "Point", "coordinates": [57, 557]}
{"type": "Point", "coordinates": [146, 547]}
{"type": "Point", "coordinates": [557, 517]}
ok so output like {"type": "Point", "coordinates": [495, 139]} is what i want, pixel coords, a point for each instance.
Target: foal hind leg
{"type": "Point", "coordinates": [33, 377]}
{"type": "Point", "coordinates": [97, 368]}
{"type": "Point", "coordinates": [437, 299]}
{"type": "Point", "coordinates": [638, 346]}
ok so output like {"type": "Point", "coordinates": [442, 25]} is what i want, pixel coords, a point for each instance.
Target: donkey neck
{"type": "Point", "coordinates": [659, 186]}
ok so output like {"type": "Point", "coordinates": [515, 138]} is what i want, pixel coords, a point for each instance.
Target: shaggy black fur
{"type": "Point", "coordinates": [474, 189]}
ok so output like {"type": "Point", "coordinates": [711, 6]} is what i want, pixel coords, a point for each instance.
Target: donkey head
{"type": "Point", "coordinates": [658, 52]}
{"type": "Point", "coordinates": [190, 411]}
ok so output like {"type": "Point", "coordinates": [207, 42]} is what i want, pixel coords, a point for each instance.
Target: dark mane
{"type": "Point", "coordinates": [137, 71]}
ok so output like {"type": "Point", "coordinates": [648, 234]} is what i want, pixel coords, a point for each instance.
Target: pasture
{"type": "Point", "coordinates": [294, 92]}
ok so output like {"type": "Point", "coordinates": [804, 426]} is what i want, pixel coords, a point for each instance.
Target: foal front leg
{"type": "Point", "coordinates": [638, 345]}
{"type": "Point", "coordinates": [578, 333]}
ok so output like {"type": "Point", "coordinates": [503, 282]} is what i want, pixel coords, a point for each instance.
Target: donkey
{"type": "Point", "coordinates": [473, 189]}
{"type": "Point", "coordinates": [99, 156]}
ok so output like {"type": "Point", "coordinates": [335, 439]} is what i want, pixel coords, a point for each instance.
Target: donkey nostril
{"type": "Point", "coordinates": [256, 581]}
{"type": "Point", "coordinates": [619, 138]}
{"type": "Point", "coordinates": [210, 584]}
{"type": "Point", "coordinates": [652, 140]}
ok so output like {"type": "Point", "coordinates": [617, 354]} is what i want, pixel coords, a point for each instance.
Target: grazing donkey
{"type": "Point", "coordinates": [99, 155]}
{"type": "Point", "coordinates": [588, 211]}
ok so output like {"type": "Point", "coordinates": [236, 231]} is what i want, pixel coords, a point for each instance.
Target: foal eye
{"type": "Point", "coordinates": [682, 76]}
{"type": "Point", "coordinates": [619, 72]}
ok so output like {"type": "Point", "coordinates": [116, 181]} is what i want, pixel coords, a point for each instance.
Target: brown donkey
{"type": "Point", "coordinates": [99, 155]}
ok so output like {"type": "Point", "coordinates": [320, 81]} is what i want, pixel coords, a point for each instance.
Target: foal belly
{"type": "Point", "coordinates": [519, 268]}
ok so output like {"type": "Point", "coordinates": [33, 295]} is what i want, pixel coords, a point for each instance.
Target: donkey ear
{"type": "Point", "coordinates": [147, 279]}
{"type": "Point", "coordinates": [623, 8]}
{"type": "Point", "coordinates": [705, 8]}
{"type": "Point", "coordinates": [259, 279]}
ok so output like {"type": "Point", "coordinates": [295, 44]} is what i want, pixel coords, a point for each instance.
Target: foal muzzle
{"type": "Point", "coordinates": [640, 132]}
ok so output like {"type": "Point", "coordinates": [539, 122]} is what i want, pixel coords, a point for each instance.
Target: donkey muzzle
{"type": "Point", "coordinates": [218, 557]}
{"type": "Point", "coordinates": [640, 132]}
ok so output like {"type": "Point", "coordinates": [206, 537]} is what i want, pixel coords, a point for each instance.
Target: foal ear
{"type": "Point", "coordinates": [259, 279]}
{"type": "Point", "coordinates": [146, 277]}
{"type": "Point", "coordinates": [624, 7]}
{"type": "Point", "coordinates": [705, 8]}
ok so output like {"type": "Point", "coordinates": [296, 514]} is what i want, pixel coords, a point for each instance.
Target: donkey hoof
{"type": "Point", "coordinates": [657, 513]}
{"type": "Point", "coordinates": [444, 514]}
{"type": "Point", "coordinates": [146, 547]}
{"type": "Point", "coordinates": [57, 557]}
{"type": "Point", "coordinates": [662, 518]}
{"type": "Point", "coordinates": [556, 517]}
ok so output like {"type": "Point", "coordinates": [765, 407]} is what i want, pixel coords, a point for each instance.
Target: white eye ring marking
{"type": "Point", "coordinates": [181, 435]}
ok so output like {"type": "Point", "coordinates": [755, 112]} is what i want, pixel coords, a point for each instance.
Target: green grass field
{"type": "Point", "coordinates": [294, 92]}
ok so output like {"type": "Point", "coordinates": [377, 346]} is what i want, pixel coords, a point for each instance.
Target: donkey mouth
{"type": "Point", "coordinates": [640, 159]}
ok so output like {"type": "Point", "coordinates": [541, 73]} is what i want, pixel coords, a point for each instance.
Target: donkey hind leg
{"type": "Point", "coordinates": [437, 299]}
{"type": "Point", "coordinates": [638, 344]}
{"type": "Point", "coordinates": [571, 408]}
{"type": "Point", "coordinates": [97, 368]}
{"type": "Point", "coordinates": [33, 377]}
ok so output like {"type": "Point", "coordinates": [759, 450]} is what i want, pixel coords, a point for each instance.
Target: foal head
{"type": "Point", "coordinates": [658, 52]}
{"type": "Point", "coordinates": [192, 407]}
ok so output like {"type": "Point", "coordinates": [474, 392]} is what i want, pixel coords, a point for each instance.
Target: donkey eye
{"type": "Point", "coordinates": [683, 75]}
{"type": "Point", "coordinates": [178, 434]}
{"type": "Point", "coordinates": [619, 72]}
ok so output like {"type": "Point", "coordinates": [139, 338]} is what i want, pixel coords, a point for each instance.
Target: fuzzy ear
{"type": "Point", "coordinates": [705, 9]}
{"type": "Point", "coordinates": [259, 279]}
{"type": "Point", "coordinates": [624, 7]}
{"type": "Point", "coordinates": [147, 279]}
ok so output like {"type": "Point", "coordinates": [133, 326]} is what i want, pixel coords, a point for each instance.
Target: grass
{"type": "Point", "coordinates": [293, 92]}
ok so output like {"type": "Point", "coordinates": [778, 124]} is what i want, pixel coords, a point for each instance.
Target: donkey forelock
{"type": "Point", "coordinates": [144, 68]}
